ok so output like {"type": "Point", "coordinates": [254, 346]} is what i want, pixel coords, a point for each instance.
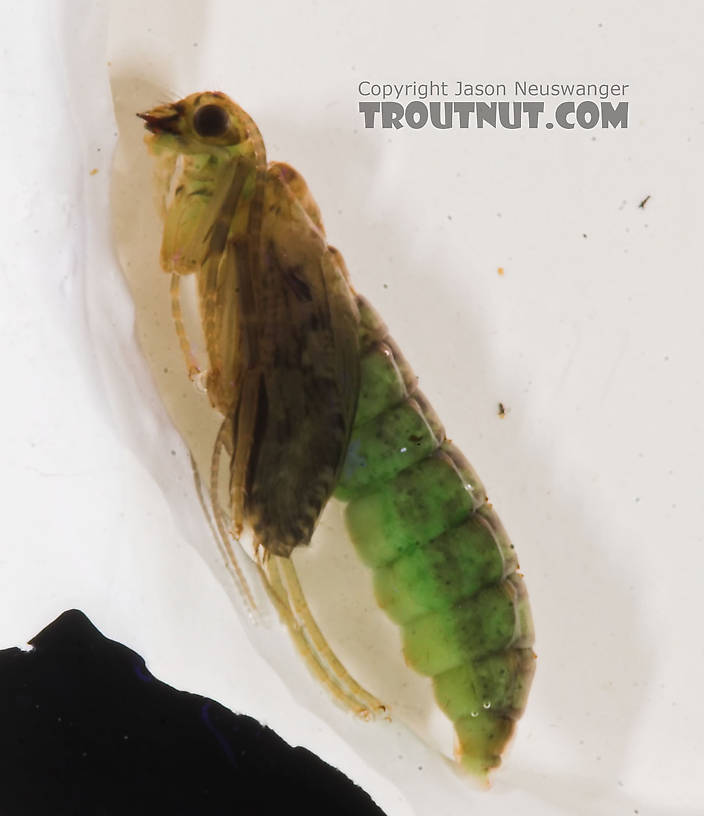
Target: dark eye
{"type": "Point", "coordinates": [210, 120]}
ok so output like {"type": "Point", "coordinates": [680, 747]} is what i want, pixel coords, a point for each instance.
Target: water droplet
{"type": "Point", "coordinates": [474, 714]}
{"type": "Point", "coordinates": [487, 704]}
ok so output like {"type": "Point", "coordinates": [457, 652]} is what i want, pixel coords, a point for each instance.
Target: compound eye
{"type": "Point", "coordinates": [210, 121]}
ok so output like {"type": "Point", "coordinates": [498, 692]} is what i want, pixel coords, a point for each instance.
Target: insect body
{"type": "Point", "coordinates": [444, 569]}
{"type": "Point", "coordinates": [316, 398]}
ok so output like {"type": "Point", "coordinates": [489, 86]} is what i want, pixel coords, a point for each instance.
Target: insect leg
{"type": "Point", "coordinates": [323, 648]}
{"type": "Point", "coordinates": [318, 660]}
{"type": "Point", "coordinates": [177, 315]}
{"type": "Point", "coordinates": [221, 536]}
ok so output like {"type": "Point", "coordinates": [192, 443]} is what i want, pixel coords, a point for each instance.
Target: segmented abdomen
{"type": "Point", "coordinates": [444, 569]}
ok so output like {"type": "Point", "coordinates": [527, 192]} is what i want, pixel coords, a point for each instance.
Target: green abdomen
{"type": "Point", "coordinates": [444, 568]}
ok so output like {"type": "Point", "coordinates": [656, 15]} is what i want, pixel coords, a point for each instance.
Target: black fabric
{"type": "Point", "coordinates": [86, 729]}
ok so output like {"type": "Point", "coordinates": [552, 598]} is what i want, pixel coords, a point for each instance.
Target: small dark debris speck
{"type": "Point", "coordinates": [502, 410]}
{"type": "Point", "coordinates": [644, 202]}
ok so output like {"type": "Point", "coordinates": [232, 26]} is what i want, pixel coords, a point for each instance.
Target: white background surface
{"type": "Point", "coordinates": [593, 345]}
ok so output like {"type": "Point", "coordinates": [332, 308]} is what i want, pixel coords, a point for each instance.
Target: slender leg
{"type": "Point", "coordinates": [371, 706]}
{"type": "Point", "coordinates": [177, 315]}
{"type": "Point", "coordinates": [221, 536]}
{"type": "Point", "coordinates": [288, 598]}
{"type": "Point", "coordinates": [280, 598]}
